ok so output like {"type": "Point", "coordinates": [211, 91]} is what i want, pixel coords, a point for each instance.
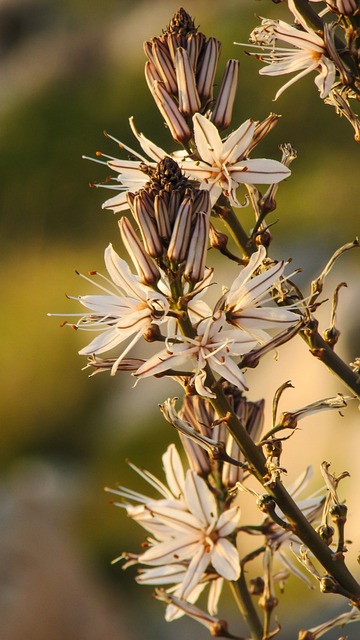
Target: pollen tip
{"type": "Point", "coordinates": [63, 323]}
{"type": "Point", "coordinates": [98, 153]}
{"type": "Point", "coordinates": [92, 273]}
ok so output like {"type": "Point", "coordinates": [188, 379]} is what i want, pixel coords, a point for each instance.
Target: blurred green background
{"type": "Point", "coordinates": [70, 69]}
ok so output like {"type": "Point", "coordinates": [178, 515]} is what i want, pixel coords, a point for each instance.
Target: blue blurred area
{"type": "Point", "coordinates": [68, 70]}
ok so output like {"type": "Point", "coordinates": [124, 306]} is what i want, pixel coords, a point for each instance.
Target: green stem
{"type": "Point", "coordinates": [246, 607]}
{"type": "Point", "coordinates": [322, 350]}
{"type": "Point", "coordinates": [334, 565]}
{"type": "Point", "coordinates": [238, 233]}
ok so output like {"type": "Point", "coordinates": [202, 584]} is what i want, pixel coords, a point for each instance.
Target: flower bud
{"type": "Point", "coordinates": [146, 268]}
{"type": "Point", "coordinates": [151, 240]}
{"type": "Point", "coordinates": [222, 113]}
{"type": "Point", "coordinates": [180, 236]}
{"type": "Point", "coordinates": [176, 122]}
{"type": "Point", "coordinates": [195, 262]}
{"type": "Point", "coordinates": [189, 101]}
{"type": "Point", "coordinates": [207, 68]}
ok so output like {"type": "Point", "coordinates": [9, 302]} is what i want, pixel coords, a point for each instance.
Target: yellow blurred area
{"type": "Point", "coordinates": [68, 70]}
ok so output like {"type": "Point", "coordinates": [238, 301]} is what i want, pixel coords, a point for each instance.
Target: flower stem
{"type": "Point", "coordinates": [332, 563]}
{"type": "Point", "coordinates": [323, 351]}
{"type": "Point", "coordinates": [238, 233]}
{"type": "Point", "coordinates": [246, 607]}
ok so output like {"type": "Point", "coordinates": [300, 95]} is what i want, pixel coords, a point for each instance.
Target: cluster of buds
{"type": "Point", "coordinates": [180, 73]}
{"type": "Point", "coordinates": [173, 217]}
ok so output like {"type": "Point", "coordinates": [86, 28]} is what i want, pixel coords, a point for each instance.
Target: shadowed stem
{"type": "Point", "coordinates": [323, 351]}
{"type": "Point", "coordinates": [334, 564]}
{"type": "Point", "coordinates": [246, 607]}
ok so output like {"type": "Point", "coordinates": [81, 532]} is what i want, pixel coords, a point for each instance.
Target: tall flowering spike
{"type": "Point", "coordinates": [192, 535]}
{"type": "Point", "coordinates": [126, 309]}
{"type": "Point", "coordinates": [307, 53]}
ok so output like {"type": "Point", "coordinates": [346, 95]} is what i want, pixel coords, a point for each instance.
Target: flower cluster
{"type": "Point", "coordinates": [316, 44]}
{"type": "Point", "coordinates": [178, 204]}
{"type": "Point", "coordinates": [192, 534]}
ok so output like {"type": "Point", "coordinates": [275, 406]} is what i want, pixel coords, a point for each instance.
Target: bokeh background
{"type": "Point", "coordinates": [70, 69]}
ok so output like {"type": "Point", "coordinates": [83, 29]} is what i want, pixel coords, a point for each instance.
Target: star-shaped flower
{"type": "Point", "coordinates": [222, 167]}
{"type": "Point", "coordinates": [243, 303]}
{"type": "Point", "coordinates": [224, 164]}
{"type": "Point", "coordinates": [128, 307]}
{"type": "Point", "coordinates": [308, 52]}
{"type": "Point", "coordinates": [212, 345]}
{"type": "Point", "coordinates": [192, 539]}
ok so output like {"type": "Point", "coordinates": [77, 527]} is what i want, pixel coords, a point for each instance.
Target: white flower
{"type": "Point", "coordinates": [307, 53]}
{"type": "Point", "coordinates": [241, 303]}
{"type": "Point", "coordinates": [224, 164]}
{"type": "Point", "coordinates": [189, 544]}
{"type": "Point", "coordinates": [222, 167]}
{"type": "Point", "coordinates": [213, 345]}
{"type": "Point", "coordinates": [128, 308]}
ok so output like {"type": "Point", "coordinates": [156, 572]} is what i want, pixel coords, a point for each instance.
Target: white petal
{"type": "Point", "coordinates": [150, 148]}
{"type": "Point", "coordinates": [200, 500]}
{"type": "Point", "coordinates": [236, 145]}
{"type": "Point", "coordinates": [168, 574]}
{"type": "Point", "coordinates": [260, 171]}
{"type": "Point", "coordinates": [326, 78]}
{"type": "Point", "coordinates": [214, 595]}
{"type": "Point", "coordinates": [228, 522]}
{"type": "Point", "coordinates": [197, 566]}
{"type": "Point", "coordinates": [225, 559]}
{"type": "Point", "coordinates": [207, 139]}
{"type": "Point", "coordinates": [174, 471]}
{"type": "Point", "coordinates": [170, 551]}
{"type": "Point", "coordinates": [230, 371]}
{"type": "Point", "coordinates": [104, 342]}
{"type": "Point", "coordinates": [120, 273]}
{"type": "Point", "coordinates": [164, 360]}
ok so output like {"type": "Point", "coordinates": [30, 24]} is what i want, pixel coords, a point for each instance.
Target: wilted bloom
{"type": "Point", "coordinates": [191, 537]}
{"type": "Point", "coordinates": [213, 345]}
{"type": "Point", "coordinates": [243, 302]}
{"type": "Point", "coordinates": [127, 308]}
{"type": "Point", "coordinates": [307, 53]}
